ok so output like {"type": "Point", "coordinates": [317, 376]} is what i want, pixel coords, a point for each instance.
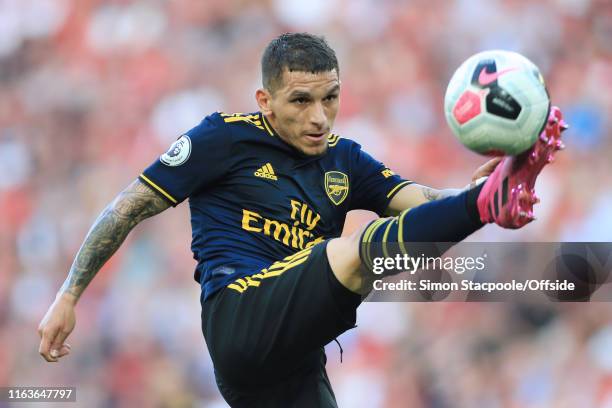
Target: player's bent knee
{"type": "Point", "coordinates": [343, 256]}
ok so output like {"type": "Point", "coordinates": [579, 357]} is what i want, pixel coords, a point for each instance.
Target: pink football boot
{"type": "Point", "coordinates": [508, 196]}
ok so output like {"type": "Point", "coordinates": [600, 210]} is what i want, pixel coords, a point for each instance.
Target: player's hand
{"type": "Point", "coordinates": [486, 169]}
{"type": "Point", "coordinates": [55, 327]}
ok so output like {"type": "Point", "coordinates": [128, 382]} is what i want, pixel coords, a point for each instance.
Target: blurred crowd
{"type": "Point", "coordinates": [92, 91]}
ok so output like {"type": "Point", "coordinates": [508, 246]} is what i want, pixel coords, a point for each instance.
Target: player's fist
{"type": "Point", "coordinates": [55, 327]}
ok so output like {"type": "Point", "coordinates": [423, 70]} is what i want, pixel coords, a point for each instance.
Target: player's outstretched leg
{"type": "Point", "coordinates": [448, 220]}
{"type": "Point", "coordinates": [506, 198]}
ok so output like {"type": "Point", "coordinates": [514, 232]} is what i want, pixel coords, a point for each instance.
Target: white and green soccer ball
{"type": "Point", "coordinates": [496, 103]}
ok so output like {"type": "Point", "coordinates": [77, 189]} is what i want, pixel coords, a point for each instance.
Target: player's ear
{"type": "Point", "coordinates": [264, 99]}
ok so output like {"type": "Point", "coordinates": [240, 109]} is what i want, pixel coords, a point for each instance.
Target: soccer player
{"type": "Point", "coordinates": [268, 193]}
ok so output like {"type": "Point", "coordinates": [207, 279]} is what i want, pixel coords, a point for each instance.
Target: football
{"type": "Point", "coordinates": [496, 103]}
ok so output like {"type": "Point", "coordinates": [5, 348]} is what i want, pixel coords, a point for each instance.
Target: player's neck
{"type": "Point", "coordinates": [273, 127]}
{"type": "Point", "coordinates": [272, 124]}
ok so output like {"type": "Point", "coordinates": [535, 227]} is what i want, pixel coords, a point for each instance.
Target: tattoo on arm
{"type": "Point", "coordinates": [432, 194]}
{"type": "Point", "coordinates": [134, 204]}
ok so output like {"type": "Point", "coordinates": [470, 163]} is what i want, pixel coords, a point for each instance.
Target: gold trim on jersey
{"type": "Point", "coordinates": [276, 269]}
{"type": "Point", "coordinates": [241, 117]}
{"type": "Point", "coordinates": [332, 139]}
{"type": "Point", "coordinates": [265, 122]}
{"type": "Point", "coordinates": [158, 188]}
{"type": "Point", "coordinates": [394, 189]}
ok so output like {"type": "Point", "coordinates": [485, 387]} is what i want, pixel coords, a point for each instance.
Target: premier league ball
{"type": "Point", "coordinates": [496, 103]}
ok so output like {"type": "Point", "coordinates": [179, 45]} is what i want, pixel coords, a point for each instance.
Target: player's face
{"type": "Point", "coordinates": [303, 109]}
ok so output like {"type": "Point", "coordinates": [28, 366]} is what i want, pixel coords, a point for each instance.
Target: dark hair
{"type": "Point", "coordinates": [297, 52]}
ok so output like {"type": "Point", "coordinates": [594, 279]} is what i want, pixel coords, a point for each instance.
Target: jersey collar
{"type": "Point", "coordinates": [294, 152]}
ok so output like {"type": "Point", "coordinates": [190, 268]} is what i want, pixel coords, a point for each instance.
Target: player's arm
{"type": "Point", "coordinates": [414, 194]}
{"type": "Point", "coordinates": [134, 204]}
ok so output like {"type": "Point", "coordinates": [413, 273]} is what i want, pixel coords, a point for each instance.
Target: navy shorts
{"type": "Point", "coordinates": [266, 332]}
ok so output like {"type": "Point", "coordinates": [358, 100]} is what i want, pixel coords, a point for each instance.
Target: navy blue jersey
{"type": "Point", "coordinates": [254, 199]}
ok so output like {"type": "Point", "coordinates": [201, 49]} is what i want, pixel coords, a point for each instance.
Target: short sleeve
{"type": "Point", "coordinates": [374, 184]}
{"type": "Point", "coordinates": [194, 161]}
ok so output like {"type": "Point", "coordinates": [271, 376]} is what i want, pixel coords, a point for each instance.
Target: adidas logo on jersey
{"type": "Point", "coordinates": [266, 171]}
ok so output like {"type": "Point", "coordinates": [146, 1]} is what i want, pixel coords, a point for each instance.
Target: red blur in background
{"type": "Point", "coordinates": [91, 92]}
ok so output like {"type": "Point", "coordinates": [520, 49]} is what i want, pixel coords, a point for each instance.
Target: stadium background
{"type": "Point", "coordinates": [92, 91]}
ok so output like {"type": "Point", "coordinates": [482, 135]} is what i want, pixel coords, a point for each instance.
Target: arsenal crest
{"type": "Point", "coordinates": [336, 186]}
